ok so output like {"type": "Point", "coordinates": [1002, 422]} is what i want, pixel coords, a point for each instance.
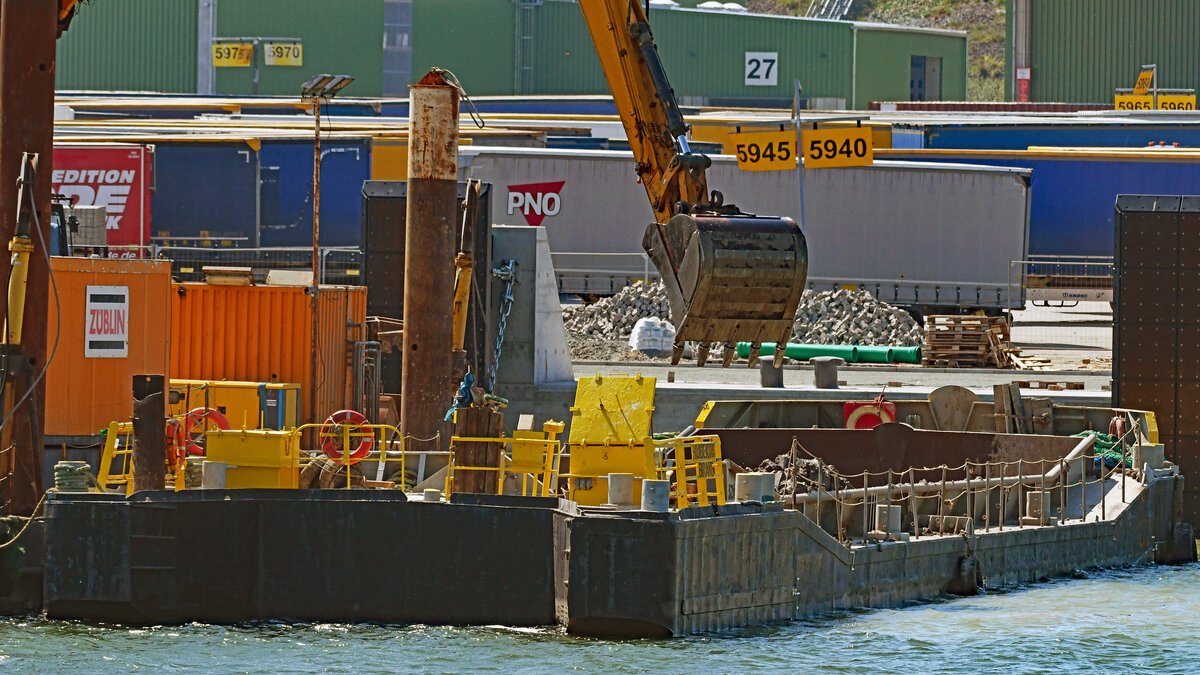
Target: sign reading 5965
{"type": "Point", "coordinates": [850, 146]}
{"type": "Point", "coordinates": [765, 150]}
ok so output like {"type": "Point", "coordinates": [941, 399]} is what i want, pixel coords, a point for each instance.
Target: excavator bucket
{"type": "Point", "coordinates": [730, 278]}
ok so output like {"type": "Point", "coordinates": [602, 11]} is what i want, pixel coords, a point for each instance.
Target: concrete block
{"type": "Point", "coordinates": [887, 518]}
{"type": "Point", "coordinates": [620, 489]}
{"type": "Point", "coordinates": [754, 487]}
{"type": "Point", "coordinates": [656, 496]}
{"type": "Point", "coordinates": [1149, 453]}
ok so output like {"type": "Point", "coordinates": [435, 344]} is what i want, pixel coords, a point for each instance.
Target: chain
{"type": "Point", "coordinates": [508, 274]}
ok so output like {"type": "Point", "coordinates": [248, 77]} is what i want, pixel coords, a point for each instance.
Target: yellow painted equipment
{"type": "Point", "coordinates": [256, 458]}
{"type": "Point", "coordinates": [247, 405]}
{"type": "Point", "coordinates": [532, 455]}
{"type": "Point", "coordinates": [611, 418]}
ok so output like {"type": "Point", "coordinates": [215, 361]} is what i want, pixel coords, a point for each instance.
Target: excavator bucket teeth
{"type": "Point", "coordinates": [732, 278]}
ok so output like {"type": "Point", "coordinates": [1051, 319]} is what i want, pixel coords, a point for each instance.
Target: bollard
{"type": "Point", "coordinates": [656, 495]}
{"type": "Point", "coordinates": [825, 371]}
{"type": "Point", "coordinates": [432, 495]}
{"type": "Point", "coordinates": [620, 489]}
{"type": "Point", "coordinates": [769, 376]}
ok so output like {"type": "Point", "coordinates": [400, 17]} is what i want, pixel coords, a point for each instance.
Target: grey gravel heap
{"type": "Point", "coordinates": [845, 317]}
{"type": "Point", "coordinates": [807, 470]}
{"type": "Point", "coordinates": [826, 317]}
{"type": "Point", "coordinates": [613, 317]}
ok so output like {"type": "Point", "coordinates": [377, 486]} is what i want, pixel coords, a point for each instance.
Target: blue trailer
{"type": "Point", "coordinates": [286, 169]}
{"type": "Point", "coordinates": [1074, 191]}
{"type": "Point", "coordinates": [1060, 132]}
{"type": "Point", "coordinates": [204, 192]}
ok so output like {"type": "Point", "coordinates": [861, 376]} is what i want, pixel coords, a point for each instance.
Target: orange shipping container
{"type": "Point", "coordinates": [115, 324]}
{"type": "Point", "coordinates": [264, 334]}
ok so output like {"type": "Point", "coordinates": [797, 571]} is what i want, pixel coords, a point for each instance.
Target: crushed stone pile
{"type": "Point", "coordinates": [612, 318]}
{"type": "Point", "coordinates": [845, 317]}
{"type": "Point", "coordinates": [825, 317]}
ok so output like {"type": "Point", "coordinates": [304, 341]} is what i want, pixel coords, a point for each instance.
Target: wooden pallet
{"type": "Point", "coordinates": [965, 341]}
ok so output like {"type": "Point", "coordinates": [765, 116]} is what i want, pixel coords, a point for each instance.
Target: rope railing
{"type": "Point", "coordinates": [998, 486]}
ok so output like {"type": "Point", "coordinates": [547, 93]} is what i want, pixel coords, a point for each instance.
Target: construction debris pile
{"type": "Point", "coordinates": [805, 473]}
{"type": "Point", "coordinates": [845, 317]}
{"type": "Point", "coordinates": [826, 317]}
{"type": "Point", "coordinates": [613, 317]}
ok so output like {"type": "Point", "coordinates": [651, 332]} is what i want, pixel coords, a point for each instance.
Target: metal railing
{"type": "Point", "coordinates": [952, 500]}
{"type": "Point", "coordinates": [527, 457]}
{"type": "Point", "coordinates": [1062, 279]}
{"type": "Point", "coordinates": [600, 273]}
{"type": "Point", "coordinates": [694, 463]}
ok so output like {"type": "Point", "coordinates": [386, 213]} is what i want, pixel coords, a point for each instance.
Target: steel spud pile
{"type": "Point", "coordinates": [828, 317]}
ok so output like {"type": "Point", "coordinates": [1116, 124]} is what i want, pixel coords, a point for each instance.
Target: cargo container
{"type": "Point", "coordinates": [286, 168]}
{"type": "Point", "coordinates": [264, 334]}
{"type": "Point", "coordinates": [1071, 209]}
{"type": "Point", "coordinates": [925, 235]}
{"type": "Point", "coordinates": [207, 192]}
{"type": "Point", "coordinates": [118, 176]}
{"type": "Point", "coordinates": [108, 321]}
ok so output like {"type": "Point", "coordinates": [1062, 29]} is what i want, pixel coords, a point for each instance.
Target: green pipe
{"type": "Point", "coordinates": [804, 352]}
{"type": "Point", "coordinates": [852, 354]}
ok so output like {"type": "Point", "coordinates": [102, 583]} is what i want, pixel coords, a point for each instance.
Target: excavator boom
{"type": "Point", "coordinates": [730, 276]}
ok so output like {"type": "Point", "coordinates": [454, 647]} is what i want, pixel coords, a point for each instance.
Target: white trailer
{"type": "Point", "coordinates": [933, 237]}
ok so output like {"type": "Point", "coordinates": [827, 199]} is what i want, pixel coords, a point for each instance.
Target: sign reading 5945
{"type": "Point", "coordinates": [764, 150]}
{"type": "Point", "coordinates": [850, 146]}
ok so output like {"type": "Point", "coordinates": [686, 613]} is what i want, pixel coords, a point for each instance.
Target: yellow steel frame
{"type": "Point", "coordinates": [697, 462]}
{"type": "Point", "coordinates": [546, 474]}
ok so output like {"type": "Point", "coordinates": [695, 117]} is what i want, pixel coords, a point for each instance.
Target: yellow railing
{"type": "Point", "coordinates": [116, 459]}
{"type": "Point", "coordinates": [529, 457]}
{"type": "Point", "coordinates": [387, 438]}
{"type": "Point", "coordinates": [695, 464]}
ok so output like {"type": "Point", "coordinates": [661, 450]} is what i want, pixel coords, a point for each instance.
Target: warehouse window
{"type": "Point", "coordinates": [925, 84]}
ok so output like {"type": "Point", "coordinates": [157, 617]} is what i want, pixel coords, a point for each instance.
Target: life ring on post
{"type": "Point", "coordinates": [331, 435]}
{"type": "Point", "coordinates": [200, 417]}
{"type": "Point", "coordinates": [176, 444]}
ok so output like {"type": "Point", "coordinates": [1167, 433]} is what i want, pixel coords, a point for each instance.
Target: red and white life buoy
{"type": "Point", "coordinates": [196, 422]}
{"type": "Point", "coordinates": [331, 434]}
{"type": "Point", "coordinates": [869, 415]}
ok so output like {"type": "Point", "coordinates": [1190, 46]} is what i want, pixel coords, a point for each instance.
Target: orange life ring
{"type": "Point", "coordinates": [878, 415]}
{"type": "Point", "coordinates": [330, 434]}
{"type": "Point", "coordinates": [199, 417]}
{"type": "Point", "coordinates": [176, 444]}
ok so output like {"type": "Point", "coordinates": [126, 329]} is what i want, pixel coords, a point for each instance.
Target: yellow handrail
{"type": "Point", "coordinates": [546, 472]}
{"type": "Point", "coordinates": [345, 432]}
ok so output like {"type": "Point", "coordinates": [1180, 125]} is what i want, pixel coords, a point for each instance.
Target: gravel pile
{"type": "Point", "coordinates": [828, 317]}
{"type": "Point", "coordinates": [612, 318]}
{"type": "Point", "coordinates": [845, 317]}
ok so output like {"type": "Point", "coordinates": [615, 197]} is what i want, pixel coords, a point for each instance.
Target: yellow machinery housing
{"type": "Point", "coordinates": [256, 458]}
{"type": "Point", "coordinates": [247, 405]}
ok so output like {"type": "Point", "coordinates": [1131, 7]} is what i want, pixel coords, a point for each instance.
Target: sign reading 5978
{"type": "Point", "coordinates": [764, 150]}
{"type": "Point", "coordinates": [848, 146]}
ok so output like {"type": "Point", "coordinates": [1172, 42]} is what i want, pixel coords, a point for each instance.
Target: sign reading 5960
{"type": "Point", "coordinates": [850, 146]}
{"type": "Point", "coordinates": [764, 150]}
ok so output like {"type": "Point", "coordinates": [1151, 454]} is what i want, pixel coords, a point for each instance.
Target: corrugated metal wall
{"type": "Point", "coordinates": [263, 334]}
{"type": "Point", "coordinates": [1083, 49]}
{"type": "Point", "coordinates": [471, 38]}
{"type": "Point", "coordinates": [131, 45]}
{"type": "Point", "coordinates": [884, 64]}
{"type": "Point", "coordinates": [343, 37]}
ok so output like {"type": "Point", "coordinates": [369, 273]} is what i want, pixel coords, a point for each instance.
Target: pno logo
{"type": "Point", "coordinates": [535, 200]}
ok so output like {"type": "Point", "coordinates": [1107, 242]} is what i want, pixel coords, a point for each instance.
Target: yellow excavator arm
{"type": "Point", "coordinates": [66, 10]}
{"type": "Point", "coordinates": [730, 276]}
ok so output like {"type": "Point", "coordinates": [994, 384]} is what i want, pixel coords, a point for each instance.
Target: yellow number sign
{"type": "Point", "coordinates": [1133, 102]}
{"type": "Point", "coordinates": [1177, 102]}
{"type": "Point", "coordinates": [283, 54]}
{"type": "Point", "coordinates": [1143, 82]}
{"type": "Point", "coordinates": [825, 148]}
{"type": "Point", "coordinates": [232, 55]}
{"type": "Point", "coordinates": [765, 150]}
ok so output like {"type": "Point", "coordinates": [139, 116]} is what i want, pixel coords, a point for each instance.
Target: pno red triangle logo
{"type": "Point", "coordinates": [535, 201]}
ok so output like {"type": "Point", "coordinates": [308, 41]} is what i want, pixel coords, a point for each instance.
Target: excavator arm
{"type": "Point", "coordinates": [66, 11]}
{"type": "Point", "coordinates": [730, 276]}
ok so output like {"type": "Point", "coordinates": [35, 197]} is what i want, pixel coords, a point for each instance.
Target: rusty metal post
{"type": "Point", "coordinates": [428, 382]}
{"type": "Point", "coordinates": [28, 29]}
{"type": "Point", "coordinates": [149, 432]}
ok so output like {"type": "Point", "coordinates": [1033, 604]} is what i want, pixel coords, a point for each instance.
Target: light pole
{"type": "Point", "coordinates": [319, 88]}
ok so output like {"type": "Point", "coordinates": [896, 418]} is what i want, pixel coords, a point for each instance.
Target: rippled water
{"type": "Point", "coordinates": [1140, 620]}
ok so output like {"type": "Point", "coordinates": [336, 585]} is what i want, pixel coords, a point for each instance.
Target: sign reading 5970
{"type": "Point", "coordinates": [849, 146]}
{"type": "Point", "coordinates": [764, 150]}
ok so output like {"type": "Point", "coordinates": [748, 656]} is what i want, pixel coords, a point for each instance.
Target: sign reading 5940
{"type": "Point", "coordinates": [764, 150]}
{"type": "Point", "coordinates": [824, 148]}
